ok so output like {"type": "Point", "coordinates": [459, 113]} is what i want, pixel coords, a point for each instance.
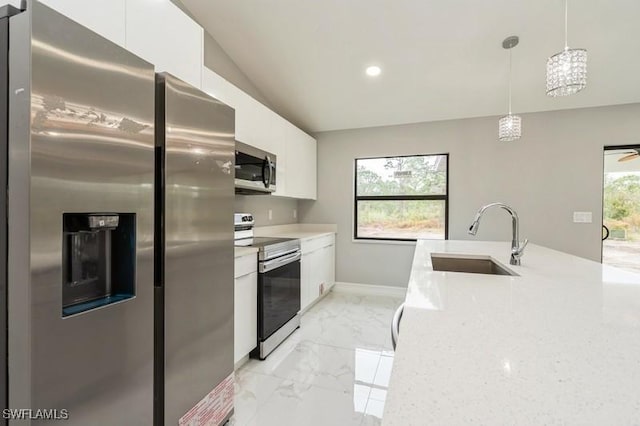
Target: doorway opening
{"type": "Point", "coordinates": [621, 207]}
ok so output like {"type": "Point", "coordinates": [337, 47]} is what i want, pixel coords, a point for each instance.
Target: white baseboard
{"type": "Point", "coordinates": [369, 289]}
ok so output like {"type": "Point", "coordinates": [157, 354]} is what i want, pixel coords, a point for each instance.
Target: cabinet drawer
{"type": "Point", "coordinates": [308, 246]}
{"type": "Point", "coordinates": [245, 265]}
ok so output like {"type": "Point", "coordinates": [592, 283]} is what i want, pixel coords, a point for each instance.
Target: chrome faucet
{"type": "Point", "coordinates": [517, 250]}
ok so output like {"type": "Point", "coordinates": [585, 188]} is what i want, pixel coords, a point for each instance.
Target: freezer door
{"type": "Point", "coordinates": [198, 251]}
{"type": "Point", "coordinates": [81, 141]}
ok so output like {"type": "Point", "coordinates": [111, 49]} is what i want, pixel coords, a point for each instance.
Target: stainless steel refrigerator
{"type": "Point", "coordinates": [81, 153]}
{"type": "Point", "coordinates": [195, 156]}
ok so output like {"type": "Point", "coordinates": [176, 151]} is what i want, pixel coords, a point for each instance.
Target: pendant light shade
{"type": "Point", "coordinates": [510, 126]}
{"type": "Point", "coordinates": [566, 70]}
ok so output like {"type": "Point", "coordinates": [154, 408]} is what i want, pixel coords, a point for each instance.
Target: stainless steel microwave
{"type": "Point", "coordinates": [255, 170]}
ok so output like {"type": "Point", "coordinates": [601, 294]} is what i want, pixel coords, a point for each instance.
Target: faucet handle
{"type": "Point", "coordinates": [518, 251]}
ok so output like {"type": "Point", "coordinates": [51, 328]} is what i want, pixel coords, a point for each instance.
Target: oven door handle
{"type": "Point", "coordinates": [270, 265]}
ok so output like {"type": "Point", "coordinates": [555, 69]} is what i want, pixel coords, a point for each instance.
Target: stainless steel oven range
{"type": "Point", "coordinates": [278, 286]}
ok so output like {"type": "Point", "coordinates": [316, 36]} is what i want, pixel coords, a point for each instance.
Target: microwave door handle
{"type": "Point", "coordinates": [272, 170]}
{"type": "Point", "coordinates": [266, 178]}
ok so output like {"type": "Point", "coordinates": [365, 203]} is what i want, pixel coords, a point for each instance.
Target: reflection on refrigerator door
{"type": "Point", "coordinates": [194, 274]}
{"type": "Point", "coordinates": [81, 132]}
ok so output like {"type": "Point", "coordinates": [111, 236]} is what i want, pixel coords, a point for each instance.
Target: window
{"type": "Point", "coordinates": [402, 198]}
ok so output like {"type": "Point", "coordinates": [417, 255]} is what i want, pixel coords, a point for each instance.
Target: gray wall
{"type": "Point", "coordinates": [554, 170]}
{"type": "Point", "coordinates": [217, 60]}
{"type": "Point", "coordinates": [259, 205]}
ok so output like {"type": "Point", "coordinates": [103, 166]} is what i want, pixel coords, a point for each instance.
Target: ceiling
{"type": "Point", "coordinates": [440, 59]}
{"type": "Point", "coordinates": [612, 165]}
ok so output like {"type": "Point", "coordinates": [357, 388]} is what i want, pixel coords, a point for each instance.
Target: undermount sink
{"type": "Point", "coordinates": [468, 263]}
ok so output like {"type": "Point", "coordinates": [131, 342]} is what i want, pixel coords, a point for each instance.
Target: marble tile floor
{"type": "Point", "coordinates": [334, 370]}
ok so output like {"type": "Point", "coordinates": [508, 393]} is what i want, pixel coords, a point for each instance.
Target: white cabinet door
{"type": "Point", "coordinates": [309, 278]}
{"type": "Point", "coordinates": [245, 315]}
{"type": "Point", "coordinates": [105, 17]}
{"type": "Point", "coordinates": [317, 274]}
{"type": "Point", "coordinates": [328, 267]}
{"type": "Point", "coordinates": [216, 86]}
{"type": "Point", "coordinates": [310, 179]}
{"type": "Point", "coordinates": [305, 280]}
{"type": "Point", "coordinates": [245, 118]}
{"type": "Point", "coordinates": [256, 124]}
{"type": "Point", "coordinates": [332, 265]}
{"type": "Point", "coordinates": [159, 32]}
{"type": "Point", "coordinates": [278, 141]}
{"type": "Point", "coordinates": [301, 164]}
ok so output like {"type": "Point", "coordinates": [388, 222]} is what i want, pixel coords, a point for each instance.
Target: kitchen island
{"type": "Point", "coordinates": [557, 344]}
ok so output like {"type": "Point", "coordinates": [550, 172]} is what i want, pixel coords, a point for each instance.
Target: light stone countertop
{"type": "Point", "coordinates": [557, 345]}
{"type": "Point", "coordinates": [244, 251]}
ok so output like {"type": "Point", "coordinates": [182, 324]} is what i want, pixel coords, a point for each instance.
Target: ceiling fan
{"type": "Point", "coordinates": [628, 155]}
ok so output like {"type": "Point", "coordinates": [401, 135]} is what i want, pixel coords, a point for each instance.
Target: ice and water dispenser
{"type": "Point", "coordinates": [99, 257]}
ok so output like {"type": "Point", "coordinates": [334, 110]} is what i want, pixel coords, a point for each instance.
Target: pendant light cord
{"type": "Point", "coordinates": [566, 25]}
{"type": "Point", "coordinates": [510, 80]}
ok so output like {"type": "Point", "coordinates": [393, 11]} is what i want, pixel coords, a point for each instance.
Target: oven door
{"type": "Point", "coordinates": [278, 293]}
{"type": "Point", "coordinates": [255, 170]}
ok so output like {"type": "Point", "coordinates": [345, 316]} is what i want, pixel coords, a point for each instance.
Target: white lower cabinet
{"type": "Point", "coordinates": [245, 307]}
{"type": "Point", "coordinates": [317, 269]}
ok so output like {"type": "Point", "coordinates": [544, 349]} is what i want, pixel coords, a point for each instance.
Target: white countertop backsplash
{"type": "Point", "coordinates": [296, 230]}
{"type": "Point", "coordinates": [558, 344]}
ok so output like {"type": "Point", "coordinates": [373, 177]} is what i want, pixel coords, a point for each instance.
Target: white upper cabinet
{"type": "Point", "coordinates": [159, 32]}
{"type": "Point", "coordinates": [105, 17]}
{"type": "Point", "coordinates": [217, 87]}
{"type": "Point", "coordinates": [301, 164]}
{"type": "Point", "coordinates": [245, 118]}
{"type": "Point", "coordinates": [258, 126]}
{"type": "Point", "coordinates": [254, 123]}
{"type": "Point", "coordinates": [279, 134]}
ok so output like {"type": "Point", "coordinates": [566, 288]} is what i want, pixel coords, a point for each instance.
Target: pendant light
{"type": "Point", "coordinates": [566, 70]}
{"type": "Point", "coordinates": [510, 126]}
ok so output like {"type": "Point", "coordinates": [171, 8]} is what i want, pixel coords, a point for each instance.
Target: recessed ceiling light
{"type": "Point", "coordinates": [373, 71]}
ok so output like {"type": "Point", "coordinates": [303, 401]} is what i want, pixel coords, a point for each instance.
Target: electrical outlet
{"type": "Point", "coordinates": [270, 214]}
{"type": "Point", "coordinates": [582, 217]}
{"type": "Point", "coordinates": [295, 213]}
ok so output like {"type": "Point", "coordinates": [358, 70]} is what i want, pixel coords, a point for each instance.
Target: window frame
{"type": "Point", "coordinates": [357, 198]}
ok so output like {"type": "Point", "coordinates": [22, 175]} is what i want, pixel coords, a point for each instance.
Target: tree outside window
{"type": "Point", "coordinates": [401, 198]}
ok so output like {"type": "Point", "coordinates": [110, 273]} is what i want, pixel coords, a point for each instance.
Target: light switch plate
{"type": "Point", "coordinates": [270, 214]}
{"type": "Point", "coordinates": [582, 217]}
{"type": "Point", "coordinates": [295, 213]}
